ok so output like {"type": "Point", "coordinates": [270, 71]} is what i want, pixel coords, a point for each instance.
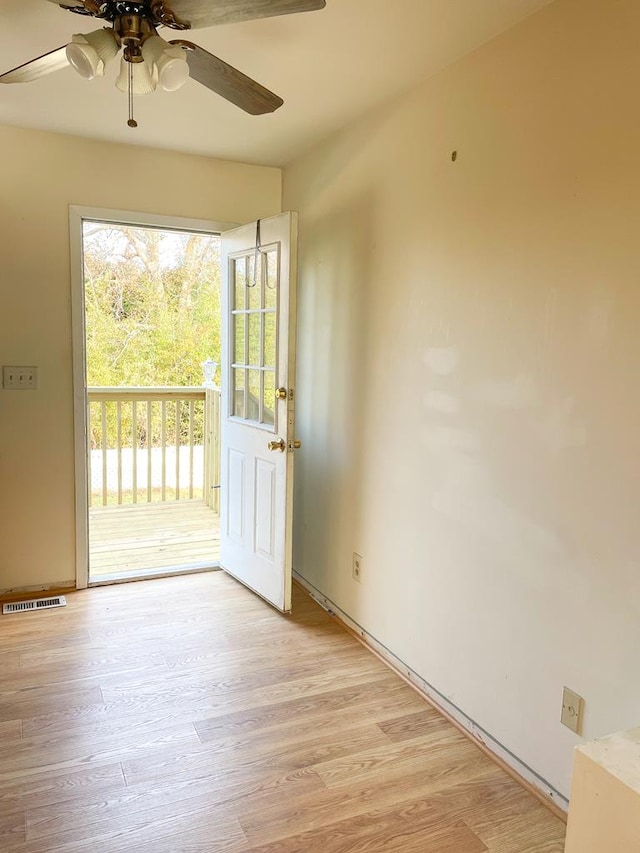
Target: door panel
{"type": "Point", "coordinates": [258, 426]}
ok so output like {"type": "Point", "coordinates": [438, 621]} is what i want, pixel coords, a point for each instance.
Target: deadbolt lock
{"type": "Point", "coordinates": [281, 394]}
{"type": "Point", "coordinates": [278, 445]}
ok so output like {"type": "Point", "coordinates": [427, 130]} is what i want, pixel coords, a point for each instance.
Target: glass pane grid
{"type": "Point", "coordinates": [254, 336]}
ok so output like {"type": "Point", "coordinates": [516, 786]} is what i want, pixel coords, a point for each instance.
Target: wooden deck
{"type": "Point", "coordinates": [131, 540]}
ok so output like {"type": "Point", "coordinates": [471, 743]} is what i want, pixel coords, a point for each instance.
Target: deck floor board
{"type": "Point", "coordinates": [143, 537]}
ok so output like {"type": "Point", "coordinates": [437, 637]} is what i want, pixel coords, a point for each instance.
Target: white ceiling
{"type": "Point", "coordinates": [329, 66]}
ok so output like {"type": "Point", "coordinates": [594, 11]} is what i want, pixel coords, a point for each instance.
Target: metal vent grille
{"type": "Point", "coordinates": [34, 604]}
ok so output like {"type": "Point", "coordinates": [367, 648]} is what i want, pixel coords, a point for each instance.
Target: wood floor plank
{"type": "Point", "coordinates": [195, 830]}
{"type": "Point", "coordinates": [412, 726]}
{"type": "Point", "coordinates": [397, 760]}
{"type": "Point", "coordinates": [67, 753]}
{"type": "Point", "coordinates": [377, 792]}
{"type": "Point", "coordinates": [414, 827]}
{"type": "Point", "coordinates": [10, 730]}
{"type": "Point", "coordinates": [16, 704]}
{"type": "Point", "coordinates": [12, 829]}
{"type": "Point", "coordinates": [184, 715]}
{"type": "Point", "coordinates": [49, 789]}
{"type": "Point", "coordinates": [536, 831]}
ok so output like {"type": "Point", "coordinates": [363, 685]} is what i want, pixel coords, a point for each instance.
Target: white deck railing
{"type": "Point", "coordinates": [153, 444]}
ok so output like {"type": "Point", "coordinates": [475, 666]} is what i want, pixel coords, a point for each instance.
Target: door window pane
{"type": "Point", "coordinates": [254, 396]}
{"type": "Point", "coordinates": [238, 407]}
{"type": "Point", "coordinates": [271, 283]}
{"type": "Point", "coordinates": [239, 281]}
{"type": "Point", "coordinates": [254, 332]}
{"type": "Point", "coordinates": [238, 336]}
{"type": "Point", "coordinates": [254, 339]}
{"type": "Point", "coordinates": [269, 398]}
{"type": "Point", "coordinates": [269, 340]}
{"type": "Point", "coordinates": [254, 284]}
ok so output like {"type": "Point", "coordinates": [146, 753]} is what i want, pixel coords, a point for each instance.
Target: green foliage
{"type": "Point", "coordinates": [153, 314]}
{"type": "Point", "coordinates": [152, 305]}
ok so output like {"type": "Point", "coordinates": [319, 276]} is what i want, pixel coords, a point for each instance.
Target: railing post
{"type": "Point", "coordinates": [191, 446]}
{"type": "Point", "coordinates": [212, 448]}
{"type": "Point", "coordinates": [103, 408]}
{"type": "Point", "coordinates": [89, 470]}
{"type": "Point", "coordinates": [206, 449]}
{"type": "Point", "coordinates": [119, 448]}
{"type": "Point", "coordinates": [149, 446]}
{"type": "Point", "coordinates": [134, 450]}
{"type": "Point", "coordinates": [215, 450]}
{"type": "Point", "coordinates": [177, 434]}
{"type": "Point", "coordinates": [163, 444]}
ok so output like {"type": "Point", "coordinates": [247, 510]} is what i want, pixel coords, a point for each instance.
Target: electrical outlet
{"type": "Point", "coordinates": [357, 567]}
{"type": "Point", "coordinates": [20, 378]}
{"type": "Point", "coordinates": [572, 708]}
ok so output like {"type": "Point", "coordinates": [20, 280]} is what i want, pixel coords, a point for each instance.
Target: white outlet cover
{"type": "Point", "coordinates": [572, 707]}
{"type": "Point", "coordinates": [357, 567]}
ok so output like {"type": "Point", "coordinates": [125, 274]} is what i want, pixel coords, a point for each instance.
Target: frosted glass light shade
{"type": "Point", "coordinates": [89, 53]}
{"type": "Point", "coordinates": [143, 83]}
{"type": "Point", "coordinates": [168, 63]}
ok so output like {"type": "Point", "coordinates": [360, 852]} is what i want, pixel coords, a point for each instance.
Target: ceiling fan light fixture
{"type": "Point", "coordinates": [143, 82]}
{"type": "Point", "coordinates": [168, 63]}
{"type": "Point", "coordinates": [89, 53]}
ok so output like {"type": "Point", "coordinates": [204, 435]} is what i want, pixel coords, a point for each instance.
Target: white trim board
{"type": "Point", "coordinates": [155, 574]}
{"type": "Point", "coordinates": [77, 215]}
{"type": "Point", "coordinates": [504, 756]}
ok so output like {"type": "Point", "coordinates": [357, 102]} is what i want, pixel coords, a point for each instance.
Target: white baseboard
{"type": "Point", "coordinates": [503, 755]}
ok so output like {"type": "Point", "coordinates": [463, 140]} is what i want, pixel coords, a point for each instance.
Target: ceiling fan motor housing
{"type": "Point", "coordinates": [132, 31]}
{"type": "Point", "coordinates": [154, 11]}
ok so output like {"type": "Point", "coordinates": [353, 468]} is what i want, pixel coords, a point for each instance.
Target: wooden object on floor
{"type": "Point", "coordinates": [135, 538]}
{"type": "Point", "coordinates": [605, 796]}
{"type": "Point", "coordinates": [184, 714]}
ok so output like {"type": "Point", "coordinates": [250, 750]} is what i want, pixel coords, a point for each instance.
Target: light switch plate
{"type": "Point", "coordinates": [19, 378]}
{"type": "Point", "coordinates": [572, 708]}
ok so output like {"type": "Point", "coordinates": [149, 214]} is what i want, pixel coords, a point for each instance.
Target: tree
{"type": "Point", "coordinates": [152, 301]}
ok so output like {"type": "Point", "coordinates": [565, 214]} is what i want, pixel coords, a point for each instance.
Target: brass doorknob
{"type": "Point", "coordinates": [281, 394]}
{"type": "Point", "coordinates": [296, 444]}
{"type": "Point", "coordinates": [277, 445]}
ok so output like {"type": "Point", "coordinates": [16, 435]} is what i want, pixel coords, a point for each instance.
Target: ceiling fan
{"type": "Point", "coordinates": [148, 61]}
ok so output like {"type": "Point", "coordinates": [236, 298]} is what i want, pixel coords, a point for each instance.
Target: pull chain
{"type": "Point", "coordinates": [132, 122]}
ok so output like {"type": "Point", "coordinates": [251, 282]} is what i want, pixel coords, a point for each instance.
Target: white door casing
{"type": "Point", "coordinates": [77, 216]}
{"type": "Point", "coordinates": [258, 357]}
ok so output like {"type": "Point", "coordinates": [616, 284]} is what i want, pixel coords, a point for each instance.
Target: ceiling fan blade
{"type": "Point", "coordinates": [77, 4]}
{"type": "Point", "coordinates": [205, 13]}
{"type": "Point", "coordinates": [37, 68]}
{"type": "Point", "coordinates": [228, 82]}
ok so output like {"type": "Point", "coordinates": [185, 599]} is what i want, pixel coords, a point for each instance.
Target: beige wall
{"type": "Point", "coordinates": [468, 392]}
{"type": "Point", "coordinates": [41, 174]}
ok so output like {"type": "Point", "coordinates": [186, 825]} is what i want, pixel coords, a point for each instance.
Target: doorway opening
{"type": "Point", "coordinates": [152, 350]}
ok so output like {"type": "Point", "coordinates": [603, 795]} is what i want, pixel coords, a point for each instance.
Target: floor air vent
{"type": "Point", "coordinates": [34, 604]}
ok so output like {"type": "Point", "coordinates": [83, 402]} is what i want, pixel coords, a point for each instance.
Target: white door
{"type": "Point", "coordinates": [258, 405]}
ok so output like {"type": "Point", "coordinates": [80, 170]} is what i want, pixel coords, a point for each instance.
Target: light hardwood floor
{"type": "Point", "coordinates": [184, 715]}
{"type": "Point", "coordinates": [128, 540]}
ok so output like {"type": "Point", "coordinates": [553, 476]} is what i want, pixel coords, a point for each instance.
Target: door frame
{"type": "Point", "coordinates": [77, 215]}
